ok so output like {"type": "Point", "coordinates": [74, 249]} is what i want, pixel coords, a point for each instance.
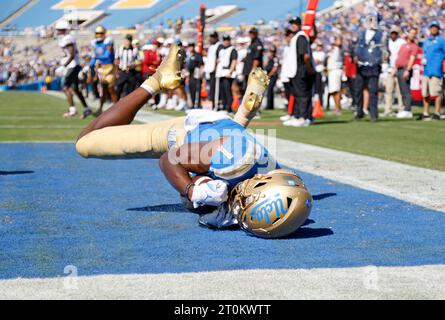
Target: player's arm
{"type": "Point", "coordinates": [194, 158]}
{"type": "Point", "coordinates": [93, 63]}
{"type": "Point", "coordinates": [274, 70]}
{"type": "Point", "coordinates": [234, 60]}
{"type": "Point", "coordinates": [178, 162]}
{"type": "Point", "coordinates": [302, 50]}
{"type": "Point", "coordinates": [109, 52]}
{"type": "Point", "coordinates": [256, 64]}
{"type": "Point", "coordinates": [409, 68]}
{"type": "Point", "coordinates": [71, 54]}
{"type": "Point", "coordinates": [257, 59]}
{"type": "Point", "coordinates": [201, 69]}
{"type": "Point", "coordinates": [117, 59]}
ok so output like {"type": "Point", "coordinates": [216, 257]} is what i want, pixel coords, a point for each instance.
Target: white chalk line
{"type": "Point", "coordinates": [420, 282]}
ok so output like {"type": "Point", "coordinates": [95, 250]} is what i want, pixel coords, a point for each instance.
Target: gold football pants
{"type": "Point", "coordinates": [133, 141]}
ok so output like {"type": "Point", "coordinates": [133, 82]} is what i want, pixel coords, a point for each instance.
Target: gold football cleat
{"type": "Point", "coordinates": [259, 78]}
{"type": "Point", "coordinates": [256, 87]}
{"type": "Point", "coordinates": [168, 75]}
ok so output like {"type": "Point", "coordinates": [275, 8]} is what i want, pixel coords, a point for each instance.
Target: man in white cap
{"type": "Point", "coordinates": [70, 69]}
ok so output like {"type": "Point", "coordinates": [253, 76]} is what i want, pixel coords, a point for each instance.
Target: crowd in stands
{"type": "Point", "coordinates": [32, 68]}
{"type": "Point", "coordinates": [340, 78]}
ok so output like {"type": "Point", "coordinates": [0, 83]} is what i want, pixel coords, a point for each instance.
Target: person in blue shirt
{"type": "Point", "coordinates": [102, 64]}
{"type": "Point", "coordinates": [432, 82]}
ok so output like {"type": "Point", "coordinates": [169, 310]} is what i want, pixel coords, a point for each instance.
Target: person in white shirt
{"type": "Point", "coordinates": [335, 71]}
{"type": "Point", "coordinates": [70, 69]}
{"type": "Point", "coordinates": [225, 72]}
{"type": "Point", "coordinates": [319, 59]}
{"type": "Point", "coordinates": [237, 86]}
{"type": "Point", "coordinates": [394, 45]}
{"type": "Point", "coordinates": [286, 65]}
{"type": "Point", "coordinates": [210, 65]}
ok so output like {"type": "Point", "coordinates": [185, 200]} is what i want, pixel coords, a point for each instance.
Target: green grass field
{"type": "Point", "coordinates": [38, 117]}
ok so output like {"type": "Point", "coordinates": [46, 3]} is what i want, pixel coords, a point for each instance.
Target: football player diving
{"type": "Point", "coordinates": [219, 169]}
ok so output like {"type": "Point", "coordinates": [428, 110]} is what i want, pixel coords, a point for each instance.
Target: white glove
{"type": "Point", "coordinates": [212, 193]}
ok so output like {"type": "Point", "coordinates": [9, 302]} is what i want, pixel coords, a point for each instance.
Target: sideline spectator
{"type": "Point", "coordinates": [195, 68]}
{"type": "Point", "coordinates": [225, 72]}
{"type": "Point", "coordinates": [335, 72]}
{"type": "Point", "coordinates": [272, 68]}
{"type": "Point", "coordinates": [432, 84]}
{"type": "Point", "coordinates": [405, 63]}
{"type": "Point", "coordinates": [369, 55]}
{"type": "Point", "coordinates": [320, 60]}
{"type": "Point", "coordinates": [125, 59]}
{"type": "Point", "coordinates": [392, 84]}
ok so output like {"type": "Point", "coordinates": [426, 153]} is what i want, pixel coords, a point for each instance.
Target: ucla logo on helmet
{"type": "Point", "coordinates": [266, 207]}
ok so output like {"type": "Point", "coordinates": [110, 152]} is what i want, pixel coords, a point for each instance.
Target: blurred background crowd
{"type": "Point", "coordinates": [372, 54]}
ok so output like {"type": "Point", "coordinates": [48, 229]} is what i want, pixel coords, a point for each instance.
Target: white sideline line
{"type": "Point", "coordinates": [420, 282]}
{"type": "Point", "coordinates": [424, 187]}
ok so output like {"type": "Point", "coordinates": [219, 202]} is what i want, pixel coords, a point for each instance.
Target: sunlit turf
{"type": "Point", "coordinates": [36, 117]}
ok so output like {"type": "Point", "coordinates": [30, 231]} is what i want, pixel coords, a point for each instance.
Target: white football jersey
{"type": "Point", "coordinates": [63, 43]}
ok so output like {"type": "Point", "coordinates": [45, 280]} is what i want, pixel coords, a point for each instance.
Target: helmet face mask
{"type": "Point", "coordinates": [272, 205]}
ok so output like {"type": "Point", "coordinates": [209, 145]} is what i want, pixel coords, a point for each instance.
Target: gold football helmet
{"type": "Point", "coordinates": [100, 33]}
{"type": "Point", "coordinates": [272, 205]}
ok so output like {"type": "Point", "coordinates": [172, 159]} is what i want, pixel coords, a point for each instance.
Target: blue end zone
{"type": "Point", "coordinates": [121, 217]}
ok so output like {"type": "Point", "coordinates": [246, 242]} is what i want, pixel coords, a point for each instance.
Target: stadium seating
{"type": "Point", "coordinates": [134, 4]}
{"type": "Point", "coordinates": [10, 7]}
{"type": "Point", "coordinates": [38, 15]}
{"type": "Point", "coordinates": [262, 9]}
{"type": "Point", "coordinates": [78, 4]}
{"type": "Point", "coordinates": [127, 13]}
{"type": "Point", "coordinates": [127, 17]}
{"type": "Point", "coordinates": [251, 12]}
{"type": "Point", "coordinates": [122, 13]}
